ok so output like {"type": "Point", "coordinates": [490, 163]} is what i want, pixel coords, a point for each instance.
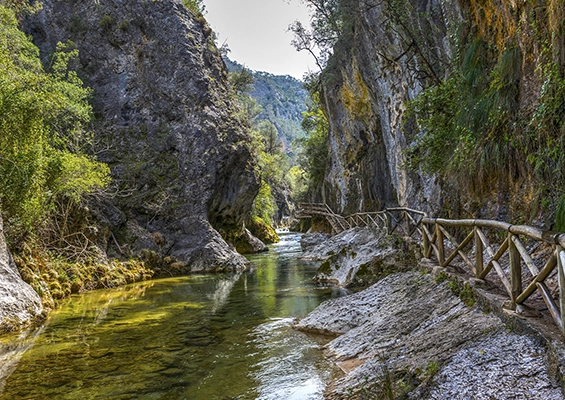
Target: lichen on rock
{"type": "Point", "coordinates": [357, 257]}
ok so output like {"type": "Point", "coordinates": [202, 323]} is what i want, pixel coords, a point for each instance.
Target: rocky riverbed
{"type": "Point", "coordinates": [419, 335]}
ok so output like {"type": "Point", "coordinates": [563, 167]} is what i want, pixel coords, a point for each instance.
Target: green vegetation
{"type": "Point", "coordinates": [196, 6]}
{"type": "Point", "coordinates": [55, 278]}
{"type": "Point", "coordinates": [480, 126]}
{"type": "Point", "coordinates": [314, 155]}
{"type": "Point", "coordinates": [271, 106]}
{"type": "Point", "coordinates": [327, 26]}
{"type": "Point", "coordinates": [461, 290]}
{"type": "Point", "coordinates": [560, 216]}
{"type": "Point", "coordinates": [43, 119]}
{"type": "Point", "coordinates": [392, 385]}
{"type": "Point", "coordinates": [282, 100]}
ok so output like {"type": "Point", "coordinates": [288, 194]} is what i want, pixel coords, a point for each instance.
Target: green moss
{"type": "Point", "coordinates": [441, 277]}
{"type": "Point", "coordinates": [325, 268]}
{"type": "Point", "coordinates": [262, 230]}
{"type": "Point", "coordinates": [106, 22]}
{"type": "Point", "coordinates": [124, 25]}
{"type": "Point", "coordinates": [461, 290]}
{"type": "Point", "coordinates": [55, 279]}
{"type": "Point", "coordinates": [373, 271]}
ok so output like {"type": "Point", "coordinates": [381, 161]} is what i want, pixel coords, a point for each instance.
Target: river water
{"type": "Point", "coordinates": [196, 337]}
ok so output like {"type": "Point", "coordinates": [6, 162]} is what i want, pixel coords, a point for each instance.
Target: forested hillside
{"type": "Point", "coordinates": [282, 99]}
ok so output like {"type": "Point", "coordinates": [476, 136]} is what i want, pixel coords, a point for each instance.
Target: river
{"type": "Point", "coordinates": [198, 337]}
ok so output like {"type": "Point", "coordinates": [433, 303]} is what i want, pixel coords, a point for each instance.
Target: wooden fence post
{"type": "Point", "coordinates": [425, 241]}
{"type": "Point", "coordinates": [515, 270]}
{"type": "Point", "coordinates": [478, 253]}
{"type": "Point", "coordinates": [560, 254]}
{"type": "Point", "coordinates": [440, 249]}
{"type": "Point", "coordinates": [388, 222]}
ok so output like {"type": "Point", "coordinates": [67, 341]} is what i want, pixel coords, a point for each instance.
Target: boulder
{"type": "Point", "coordinates": [409, 330]}
{"type": "Point", "coordinates": [19, 303]}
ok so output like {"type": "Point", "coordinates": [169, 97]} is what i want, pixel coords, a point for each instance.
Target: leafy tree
{"type": "Point", "coordinates": [270, 136]}
{"type": "Point", "coordinates": [43, 116]}
{"type": "Point", "coordinates": [326, 28]}
{"type": "Point", "coordinates": [241, 81]}
{"type": "Point", "coordinates": [314, 157]}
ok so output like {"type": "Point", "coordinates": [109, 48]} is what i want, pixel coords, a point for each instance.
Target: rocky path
{"type": "Point", "coordinates": [410, 335]}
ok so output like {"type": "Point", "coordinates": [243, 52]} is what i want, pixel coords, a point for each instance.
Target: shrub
{"type": "Point", "coordinates": [43, 116]}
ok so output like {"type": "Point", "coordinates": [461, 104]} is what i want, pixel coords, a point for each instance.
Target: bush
{"type": "Point", "coordinates": [43, 116]}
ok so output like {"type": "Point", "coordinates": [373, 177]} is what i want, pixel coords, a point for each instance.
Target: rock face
{"type": "Point", "coordinates": [408, 325]}
{"type": "Point", "coordinates": [392, 51]}
{"type": "Point", "coordinates": [19, 303]}
{"type": "Point", "coordinates": [367, 84]}
{"type": "Point", "coordinates": [357, 256]}
{"type": "Point", "coordinates": [309, 241]}
{"type": "Point", "coordinates": [180, 159]}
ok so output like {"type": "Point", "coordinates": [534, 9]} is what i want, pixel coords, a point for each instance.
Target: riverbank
{"type": "Point", "coordinates": [200, 336]}
{"type": "Point", "coordinates": [55, 279]}
{"type": "Point", "coordinates": [430, 333]}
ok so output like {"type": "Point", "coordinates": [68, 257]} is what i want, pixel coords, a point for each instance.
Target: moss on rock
{"type": "Point", "coordinates": [55, 279]}
{"type": "Point", "coordinates": [262, 231]}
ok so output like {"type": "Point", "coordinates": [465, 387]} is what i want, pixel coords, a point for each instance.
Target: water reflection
{"type": "Point", "coordinates": [196, 337]}
{"type": "Point", "coordinates": [12, 348]}
{"type": "Point", "coordinates": [223, 289]}
{"type": "Point", "coordinates": [290, 363]}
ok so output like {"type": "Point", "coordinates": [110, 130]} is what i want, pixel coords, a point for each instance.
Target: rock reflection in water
{"type": "Point", "coordinates": [223, 290]}
{"type": "Point", "coordinates": [12, 348]}
{"type": "Point", "coordinates": [290, 366]}
{"type": "Point", "coordinates": [197, 337]}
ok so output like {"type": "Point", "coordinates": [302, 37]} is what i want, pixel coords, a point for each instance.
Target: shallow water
{"type": "Point", "coordinates": [197, 337]}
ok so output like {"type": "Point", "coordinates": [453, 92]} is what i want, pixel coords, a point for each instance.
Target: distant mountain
{"type": "Point", "coordinates": [283, 100]}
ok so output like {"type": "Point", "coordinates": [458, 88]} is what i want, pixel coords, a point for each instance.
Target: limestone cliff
{"type": "Point", "coordinates": [365, 87]}
{"type": "Point", "coordinates": [388, 53]}
{"type": "Point", "coordinates": [180, 159]}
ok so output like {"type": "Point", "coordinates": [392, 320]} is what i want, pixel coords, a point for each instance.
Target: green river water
{"type": "Point", "coordinates": [196, 337]}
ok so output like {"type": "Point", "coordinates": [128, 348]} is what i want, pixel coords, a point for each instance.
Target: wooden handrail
{"type": "Point", "coordinates": [505, 260]}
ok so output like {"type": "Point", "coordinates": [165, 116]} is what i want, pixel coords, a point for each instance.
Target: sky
{"type": "Point", "coordinates": [256, 33]}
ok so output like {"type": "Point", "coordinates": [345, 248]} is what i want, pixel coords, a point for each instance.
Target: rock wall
{"type": "Point", "coordinates": [19, 303]}
{"type": "Point", "coordinates": [388, 53]}
{"type": "Point", "coordinates": [366, 86]}
{"type": "Point", "coordinates": [181, 163]}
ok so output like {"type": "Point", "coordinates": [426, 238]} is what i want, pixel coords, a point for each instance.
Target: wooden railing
{"type": "Point", "coordinates": [336, 221]}
{"type": "Point", "coordinates": [400, 219]}
{"type": "Point", "coordinates": [524, 262]}
{"type": "Point", "coordinates": [522, 249]}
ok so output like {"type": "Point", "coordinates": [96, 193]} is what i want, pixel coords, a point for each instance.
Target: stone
{"type": "Point", "coordinates": [308, 241]}
{"type": "Point", "coordinates": [357, 256]}
{"type": "Point", "coordinates": [19, 303]}
{"type": "Point", "coordinates": [406, 324]}
{"type": "Point", "coordinates": [249, 244]}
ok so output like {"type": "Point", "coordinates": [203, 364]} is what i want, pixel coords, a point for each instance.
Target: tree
{"type": "Point", "coordinates": [270, 136]}
{"type": "Point", "coordinates": [43, 117]}
{"type": "Point", "coordinates": [314, 157]}
{"type": "Point", "coordinates": [326, 28]}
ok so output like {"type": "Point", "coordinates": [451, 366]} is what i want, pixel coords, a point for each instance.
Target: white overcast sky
{"type": "Point", "coordinates": [256, 33]}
